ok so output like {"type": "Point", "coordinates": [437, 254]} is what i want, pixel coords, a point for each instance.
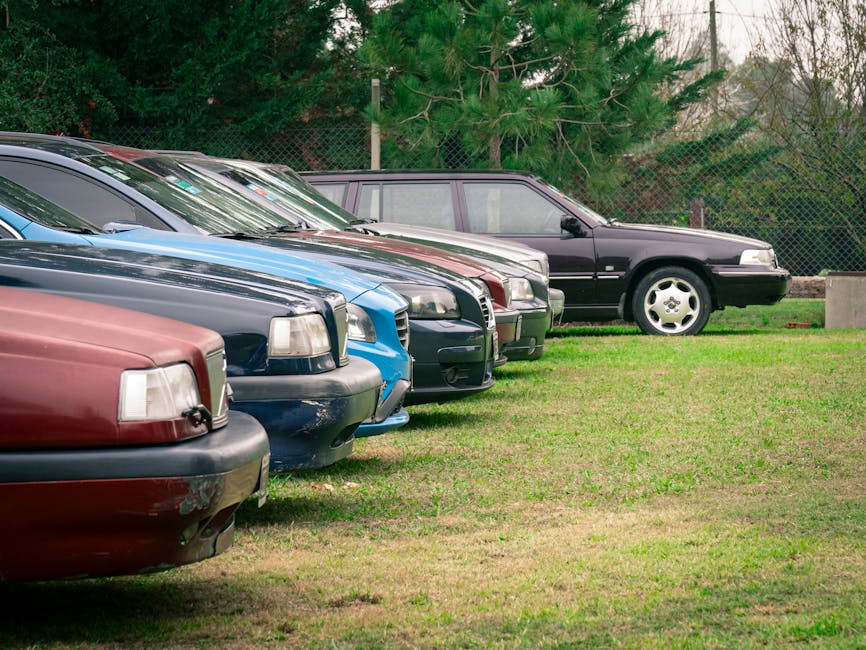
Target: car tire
{"type": "Point", "coordinates": [671, 301]}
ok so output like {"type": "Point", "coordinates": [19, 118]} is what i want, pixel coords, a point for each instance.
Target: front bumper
{"type": "Point", "coordinates": [389, 414]}
{"type": "Point", "coordinates": [112, 511]}
{"type": "Point", "coordinates": [453, 359]}
{"type": "Point", "coordinates": [508, 325]}
{"type": "Point", "coordinates": [739, 286]}
{"type": "Point", "coordinates": [530, 345]}
{"type": "Point", "coordinates": [311, 420]}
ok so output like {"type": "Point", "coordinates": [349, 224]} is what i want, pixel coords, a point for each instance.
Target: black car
{"type": "Point", "coordinates": [666, 279]}
{"type": "Point", "coordinates": [285, 342]}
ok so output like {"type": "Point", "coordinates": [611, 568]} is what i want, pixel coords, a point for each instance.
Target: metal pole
{"type": "Point", "coordinates": [375, 138]}
{"type": "Point", "coordinates": [714, 52]}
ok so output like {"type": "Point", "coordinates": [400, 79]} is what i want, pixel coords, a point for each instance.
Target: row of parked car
{"type": "Point", "coordinates": [137, 437]}
{"type": "Point", "coordinates": [176, 326]}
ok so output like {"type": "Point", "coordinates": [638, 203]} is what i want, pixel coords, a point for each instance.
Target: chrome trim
{"type": "Point", "coordinates": [341, 317]}
{"type": "Point", "coordinates": [770, 273]}
{"type": "Point", "coordinates": [401, 320]}
{"type": "Point", "coordinates": [487, 311]}
{"type": "Point", "coordinates": [216, 377]}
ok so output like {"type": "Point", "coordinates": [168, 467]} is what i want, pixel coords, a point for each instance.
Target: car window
{"type": "Point", "coordinates": [334, 192]}
{"type": "Point", "coordinates": [510, 208]}
{"type": "Point", "coordinates": [79, 195]}
{"type": "Point", "coordinates": [418, 204]}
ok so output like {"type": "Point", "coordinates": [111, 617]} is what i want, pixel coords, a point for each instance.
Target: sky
{"type": "Point", "coordinates": [740, 23]}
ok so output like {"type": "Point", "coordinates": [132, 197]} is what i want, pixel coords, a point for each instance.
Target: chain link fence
{"type": "Point", "coordinates": [811, 232]}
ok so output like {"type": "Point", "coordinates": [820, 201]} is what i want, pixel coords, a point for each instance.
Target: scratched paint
{"type": "Point", "coordinates": [202, 491]}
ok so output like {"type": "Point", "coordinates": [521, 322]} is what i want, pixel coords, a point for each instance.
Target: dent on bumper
{"type": "Point", "coordinates": [311, 420]}
{"type": "Point", "coordinates": [87, 513]}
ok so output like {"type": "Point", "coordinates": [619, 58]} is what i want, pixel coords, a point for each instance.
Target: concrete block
{"type": "Point", "coordinates": [845, 305]}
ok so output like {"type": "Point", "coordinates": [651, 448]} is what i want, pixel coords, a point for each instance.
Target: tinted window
{"type": "Point", "coordinates": [334, 192]}
{"type": "Point", "coordinates": [79, 195]}
{"type": "Point", "coordinates": [39, 210]}
{"type": "Point", "coordinates": [510, 208]}
{"type": "Point", "coordinates": [419, 204]}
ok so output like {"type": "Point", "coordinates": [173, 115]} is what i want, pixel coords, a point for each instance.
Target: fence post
{"type": "Point", "coordinates": [375, 139]}
{"type": "Point", "coordinates": [696, 213]}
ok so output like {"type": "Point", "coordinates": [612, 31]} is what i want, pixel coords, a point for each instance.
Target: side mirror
{"type": "Point", "coordinates": [570, 223]}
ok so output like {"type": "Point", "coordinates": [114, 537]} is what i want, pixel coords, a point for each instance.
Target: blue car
{"type": "Point", "coordinates": [377, 315]}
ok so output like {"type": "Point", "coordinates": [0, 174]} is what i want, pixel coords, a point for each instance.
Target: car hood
{"type": "Point", "coordinates": [293, 296]}
{"type": "Point", "coordinates": [518, 252]}
{"type": "Point", "coordinates": [246, 255]}
{"type": "Point", "coordinates": [691, 234]}
{"type": "Point", "coordinates": [435, 256]}
{"type": "Point", "coordinates": [376, 263]}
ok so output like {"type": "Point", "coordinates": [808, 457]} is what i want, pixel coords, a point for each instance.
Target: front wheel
{"type": "Point", "coordinates": [671, 301]}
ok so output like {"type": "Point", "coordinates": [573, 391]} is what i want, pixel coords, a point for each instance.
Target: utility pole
{"type": "Point", "coordinates": [714, 51]}
{"type": "Point", "coordinates": [375, 136]}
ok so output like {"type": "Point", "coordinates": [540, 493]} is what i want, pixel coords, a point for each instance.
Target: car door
{"type": "Point", "coordinates": [513, 210]}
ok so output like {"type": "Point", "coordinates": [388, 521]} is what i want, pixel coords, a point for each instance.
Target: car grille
{"type": "Point", "coordinates": [216, 376]}
{"type": "Point", "coordinates": [487, 310]}
{"type": "Point", "coordinates": [401, 319]}
{"type": "Point", "coordinates": [342, 333]}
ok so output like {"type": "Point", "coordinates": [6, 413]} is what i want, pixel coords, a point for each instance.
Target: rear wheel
{"type": "Point", "coordinates": [671, 301]}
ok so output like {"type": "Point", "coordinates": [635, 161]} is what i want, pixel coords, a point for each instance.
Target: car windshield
{"type": "Point", "coordinates": [302, 193]}
{"type": "Point", "coordinates": [41, 211]}
{"type": "Point", "coordinates": [309, 207]}
{"type": "Point", "coordinates": [185, 192]}
{"type": "Point", "coordinates": [580, 208]}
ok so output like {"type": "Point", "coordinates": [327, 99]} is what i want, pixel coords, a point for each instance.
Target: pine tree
{"type": "Point", "coordinates": [558, 88]}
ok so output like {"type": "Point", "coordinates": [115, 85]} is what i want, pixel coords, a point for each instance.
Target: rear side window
{"type": "Point", "coordinates": [510, 208]}
{"type": "Point", "coordinates": [334, 192]}
{"type": "Point", "coordinates": [417, 204]}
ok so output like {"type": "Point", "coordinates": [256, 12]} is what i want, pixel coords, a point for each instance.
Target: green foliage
{"type": "Point", "coordinates": [49, 87]}
{"type": "Point", "coordinates": [248, 68]}
{"type": "Point", "coordinates": [562, 89]}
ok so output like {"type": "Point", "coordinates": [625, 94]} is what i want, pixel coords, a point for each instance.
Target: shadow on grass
{"type": "Point", "coordinates": [354, 488]}
{"type": "Point", "coordinates": [613, 330]}
{"type": "Point", "coordinates": [115, 611]}
{"type": "Point", "coordinates": [421, 422]}
{"type": "Point", "coordinates": [709, 331]}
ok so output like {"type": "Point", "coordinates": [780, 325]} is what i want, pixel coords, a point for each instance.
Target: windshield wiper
{"type": "Point", "coordinates": [238, 234]}
{"type": "Point", "coordinates": [287, 227]}
{"type": "Point", "coordinates": [79, 230]}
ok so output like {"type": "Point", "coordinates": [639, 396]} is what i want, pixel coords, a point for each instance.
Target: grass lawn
{"type": "Point", "coordinates": [624, 490]}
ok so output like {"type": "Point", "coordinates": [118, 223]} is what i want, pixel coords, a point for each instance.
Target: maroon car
{"type": "Point", "coordinates": [117, 452]}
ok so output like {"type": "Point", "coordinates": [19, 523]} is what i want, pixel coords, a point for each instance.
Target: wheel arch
{"type": "Point", "coordinates": [648, 266]}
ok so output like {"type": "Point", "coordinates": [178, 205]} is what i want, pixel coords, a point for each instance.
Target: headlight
{"type": "Point", "coordinates": [360, 326]}
{"type": "Point", "coordinates": [760, 257]}
{"type": "Point", "coordinates": [157, 393]}
{"type": "Point", "coordinates": [521, 289]}
{"type": "Point", "coordinates": [298, 336]}
{"type": "Point", "coordinates": [428, 301]}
